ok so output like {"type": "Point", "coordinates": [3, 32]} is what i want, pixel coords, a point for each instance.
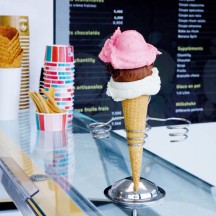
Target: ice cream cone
{"type": "Point", "coordinates": [135, 111]}
{"type": "Point", "coordinates": [130, 60]}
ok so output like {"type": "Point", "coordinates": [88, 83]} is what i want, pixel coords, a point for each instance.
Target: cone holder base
{"type": "Point", "coordinates": [121, 192]}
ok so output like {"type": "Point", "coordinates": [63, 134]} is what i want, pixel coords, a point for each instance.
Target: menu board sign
{"type": "Point", "coordinates": [183, 30]}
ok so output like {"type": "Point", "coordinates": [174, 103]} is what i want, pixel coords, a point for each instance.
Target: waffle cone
{"type": "Point", "coordinates": [9, 56]}
{"type": "Point", "coordinates": [10, 48]}
{"type": "Point", "coordinates": [15, 64]}
{"type": "Point", "coordinates": [135, 111]}
{"type": "Point", "coordinates": [8, 34]}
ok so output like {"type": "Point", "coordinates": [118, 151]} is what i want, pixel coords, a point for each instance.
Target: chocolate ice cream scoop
{"type": "Point", "coordinates": [129, 75]}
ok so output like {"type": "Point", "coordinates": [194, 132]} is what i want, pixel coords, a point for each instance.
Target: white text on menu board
{"type": "Point", "coordinates": [190, 22]}
{"type": "Point", "coordinates": [118, 18]}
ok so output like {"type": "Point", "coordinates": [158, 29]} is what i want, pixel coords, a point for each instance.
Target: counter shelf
{"type": "Point", "coordinates": [89, 165]}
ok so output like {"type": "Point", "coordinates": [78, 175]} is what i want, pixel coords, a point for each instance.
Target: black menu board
{"type": "Point", "coordinates": [183, 30]}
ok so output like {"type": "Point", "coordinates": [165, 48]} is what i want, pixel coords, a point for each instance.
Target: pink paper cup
{"type": "Point", "coordinates": [55, 81]}
{"type": "Point", "coordinates": [59, 73]}
{"type": "Point", "coordinates": [59, 53]}
{"type": "Point", "coordinates": [58, 86]}
{"type": "Point", "coordinates": [58, 64]}
{"type": "Point", "coordinates": [51, 122]}
{"type": "Point", "coordinates": [52, 77]}
{"type": "Point", "coordinates": [64, 99]}
{"type": "Point", "coordinates": [65, 103]}
{"type": "Point", "coordinates": [47, 68]}
{"type": "Point", "coordinates": [63, 90]}
{"type": "Point", "coordinates": [66, 107]}
{"type": "Point", "coordinates": [63, 95]}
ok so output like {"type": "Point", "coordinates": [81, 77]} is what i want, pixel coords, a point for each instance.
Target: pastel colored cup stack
{"type": "Point", "coordinates": [58, 72]}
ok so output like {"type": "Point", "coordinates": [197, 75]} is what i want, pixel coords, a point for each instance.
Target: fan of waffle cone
{"type": "Point", "coordinates": [10, 50]}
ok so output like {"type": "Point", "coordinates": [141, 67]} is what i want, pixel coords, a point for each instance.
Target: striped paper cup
{"type": "Point", "coordinates": [67, 107]}
{"type": "Point", "coordinates": [63, 95]}
{"type": "Point", "coordinates": [59, 53]}
{"type": "Point", "coordinates": [58, 86]}
{"type": "Point", "coordinates": [64, 99]}
{"type": "Point", "coordinates": [59, 73]}
{"type": "Point", "coordinates": [58, 64]}
{"type": "Point", "coordinates": [63, 90]}
{"type": "Point", "coordinates": [51, 122]}
{"type": "Point", "coordinates": [65, 103]}
{"type": "Point", "coordinates": [47, 76]}
{"type": "Point", "coordinates": [70, 69]}
{"type": "Point", "coordinates": [54, 81]}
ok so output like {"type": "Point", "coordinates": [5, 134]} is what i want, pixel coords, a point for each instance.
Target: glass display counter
{"type": "Point", "coordinates": [72, 169]}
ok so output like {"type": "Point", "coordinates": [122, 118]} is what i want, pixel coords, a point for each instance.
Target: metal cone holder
{"type": "Point", "coordinates": [148, 193]}
{"type": "Point", "coordinates": [122, 192]}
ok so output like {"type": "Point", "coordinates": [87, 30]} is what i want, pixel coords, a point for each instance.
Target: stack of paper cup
{"type": "Point", "coordinates": [58, 72]}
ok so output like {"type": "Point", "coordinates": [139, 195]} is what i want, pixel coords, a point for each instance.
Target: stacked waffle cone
{"type": "Point", "coordinates": [21, 24]}
{"type": "Point", "coordinates": [135, 111]}
{"type": "Point", "coordinates": [10, 49]}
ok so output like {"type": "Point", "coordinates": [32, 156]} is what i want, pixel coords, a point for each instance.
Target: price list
{"type": "Point", "coordinates": [91, 23]}
{"type": "Point", "coordinates": [183, 30]}
{"type": "Point", "coordinates": [195, 60]}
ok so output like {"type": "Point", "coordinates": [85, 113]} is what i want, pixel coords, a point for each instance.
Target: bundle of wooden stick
{"type": "Point", "coordinates": [46, 103]}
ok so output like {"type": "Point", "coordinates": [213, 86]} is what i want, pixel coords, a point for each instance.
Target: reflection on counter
{"type": "Point", "coordinates": [56, 151]}
{"type": "Point", "coordinates": [51, 153]}
{"type": "Point", "coordinates": [24, 138]}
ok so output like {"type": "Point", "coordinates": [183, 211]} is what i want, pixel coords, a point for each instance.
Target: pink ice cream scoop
{"type": "Point", "coordinates": [128, 50]}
